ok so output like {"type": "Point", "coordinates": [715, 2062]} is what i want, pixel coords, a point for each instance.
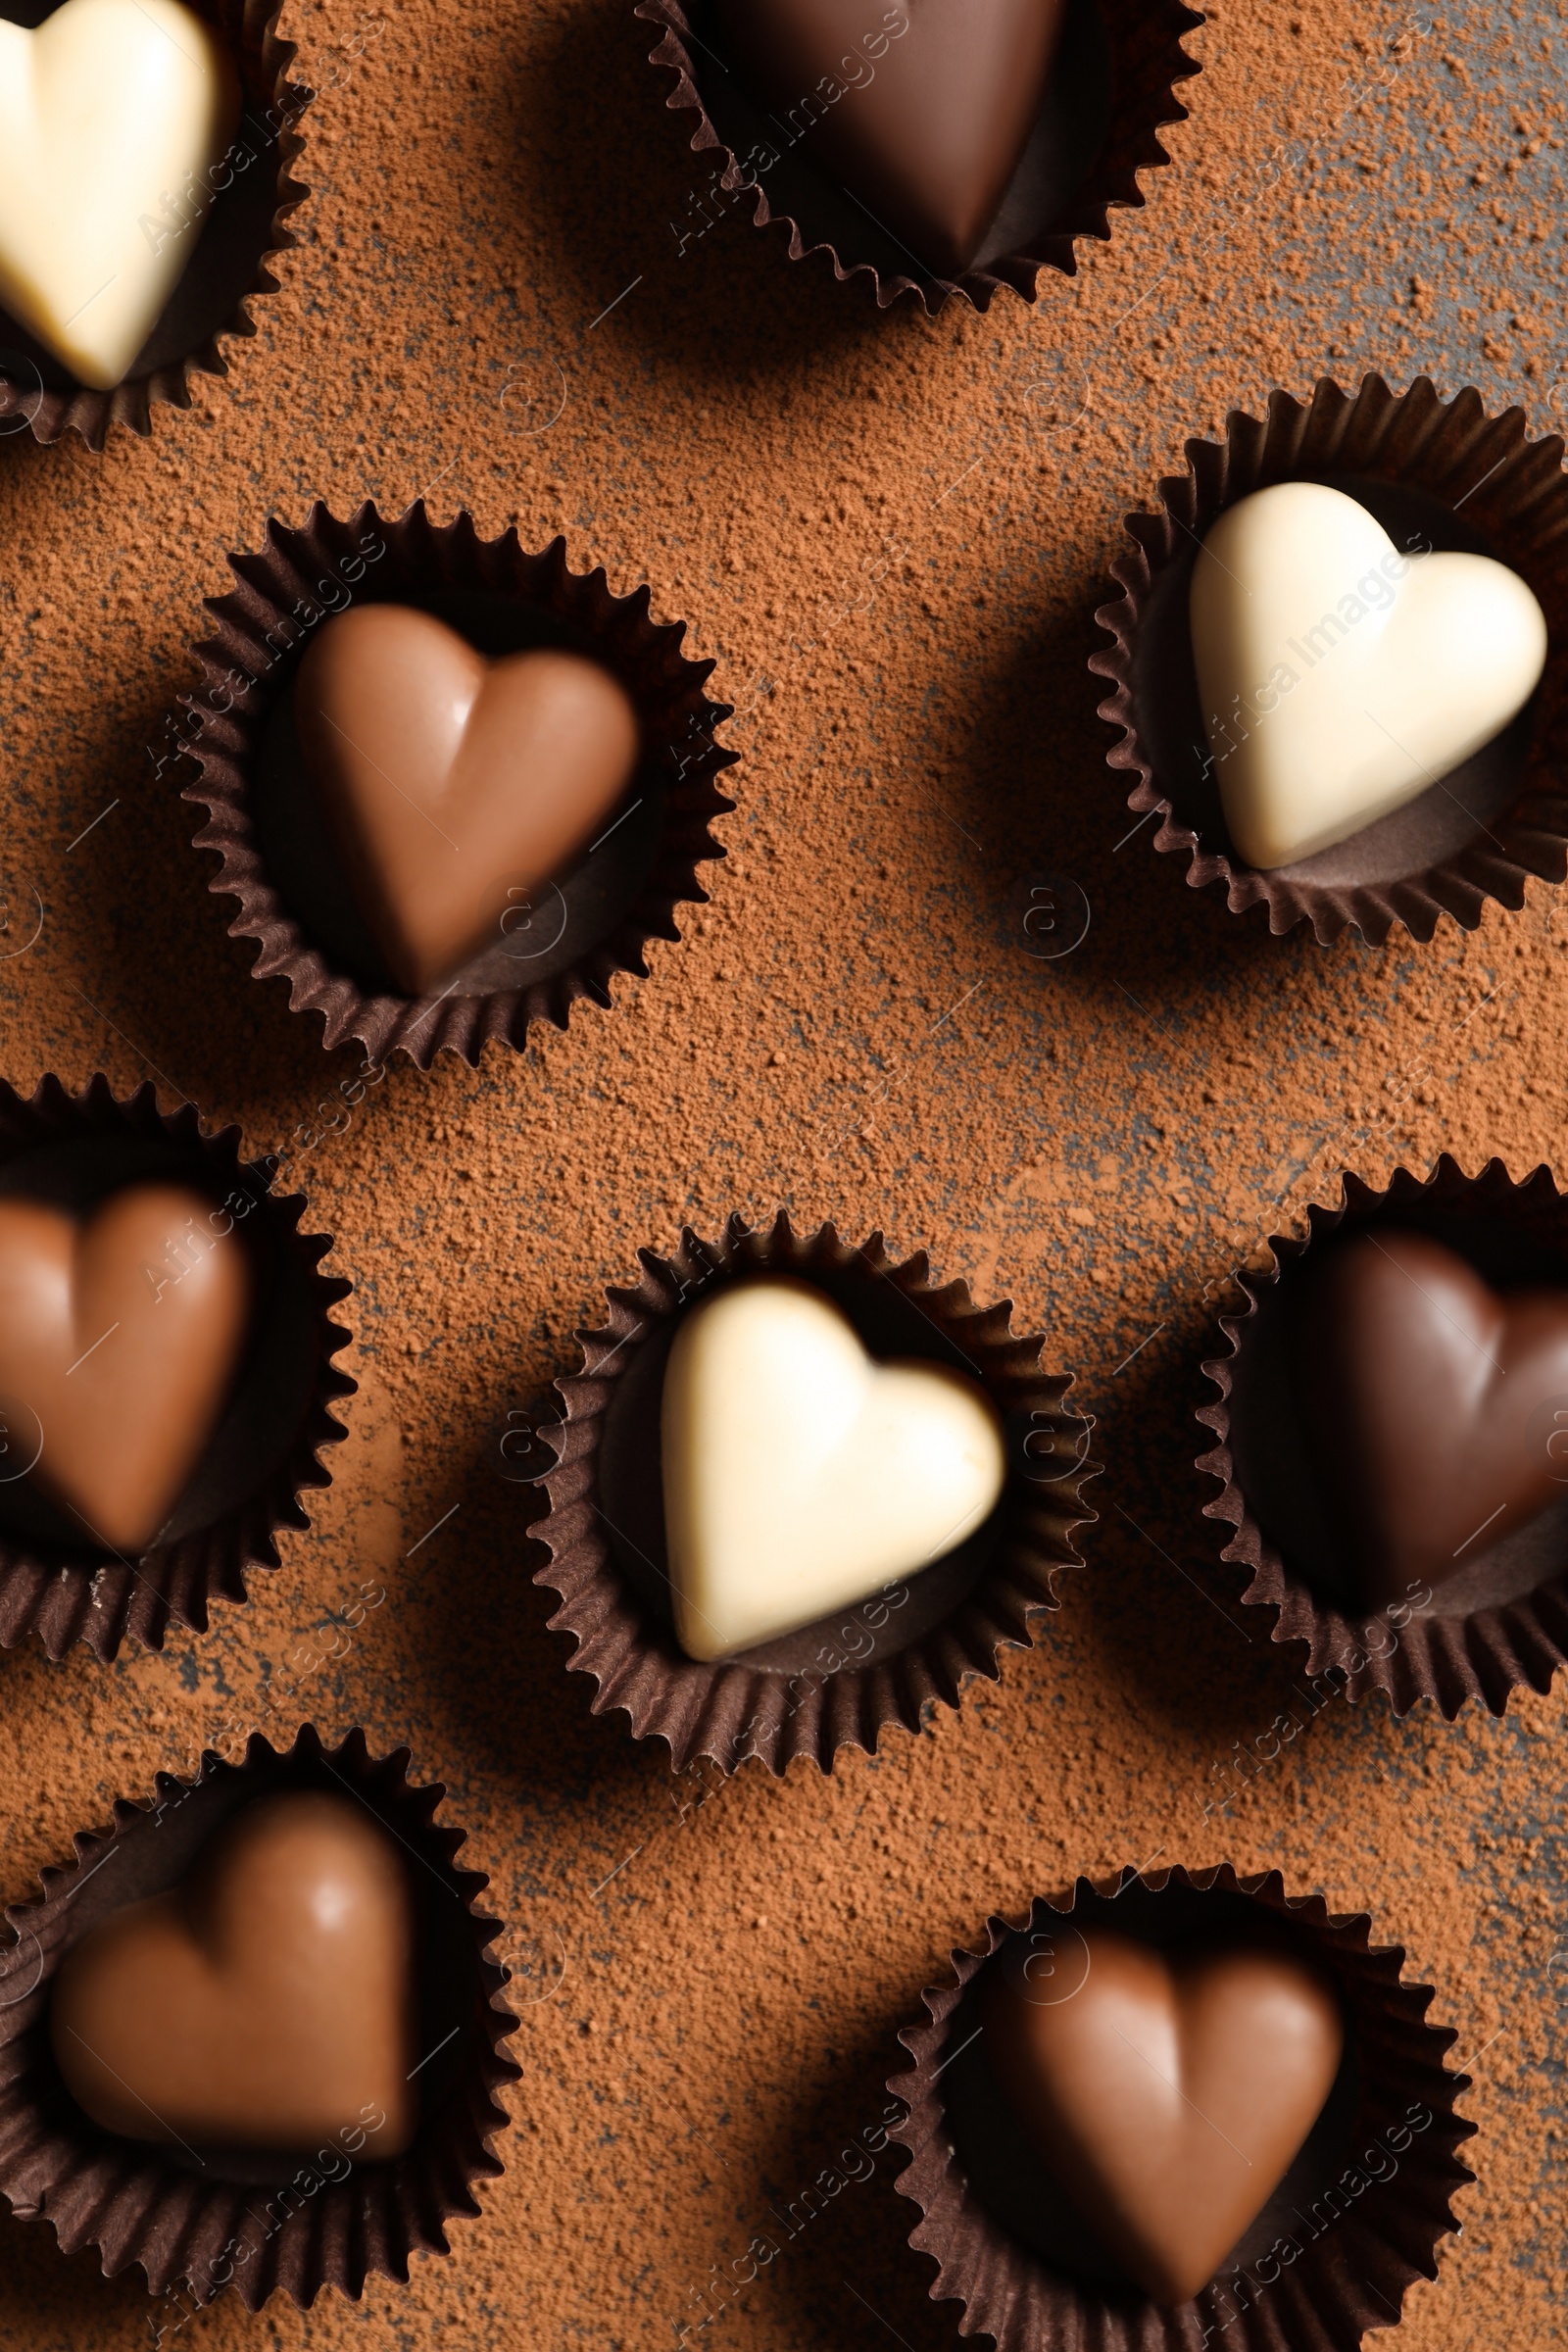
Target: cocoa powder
{"type": "Point", "coordinates": [890, 534]}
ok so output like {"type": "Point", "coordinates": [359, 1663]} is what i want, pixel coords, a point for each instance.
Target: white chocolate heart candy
{"type": "Point", "coordinates": [1339, 677]}
{"type": "Point", "coordinates": [800, 1475]}
{"type": "Point", "coordinates": [107, 112]}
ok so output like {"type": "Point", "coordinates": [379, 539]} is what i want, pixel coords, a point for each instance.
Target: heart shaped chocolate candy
{"type": "Point", "coordinates": [1340, 680]}
{"type": "Point", "coordinates": [800, 1475]}
{"type": "Point", "coordinates": [119, 1339]}
{"type": "Point", "coordinates": [267, 2002]}
{"type": "Point", "coordinates": [922, 109]}
{"type": "Point", "coordinates": [453, 785]}
{"type": "Point", "coordinates": [104, 110]}
{"type": "Point", "coordinates": [1435, 1412]}
{"type": "Point", "coordinates": [1169, 2094]}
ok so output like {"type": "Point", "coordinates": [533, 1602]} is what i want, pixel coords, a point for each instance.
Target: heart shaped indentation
{"type": "Point", "coordinates": [1341, 678]}
{"type": "Point", "coordinates": [119, 1339]}
{"type": "Point", "coordinates": [454, 784]}
{"type": "Point", "coordinates": [111, 115]}
{"type": "Point", "coordinates": [1435, 1411]}
{"type": "Point", "coordinates": [800, 1475]}
{"type": "Point", "coordinates": [1168, 2093]}
{"type": "Point", "coordinates": [922, 109]}
{"type": "Point", "coordinates": [265, 2003]}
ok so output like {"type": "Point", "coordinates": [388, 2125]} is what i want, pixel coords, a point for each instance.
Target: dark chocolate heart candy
{"type": "Point", "coordinates": [1430, 1405]}
{"type": "Point", "coordinates": [922, 109]}
{"type": "Point", "coordinates": [1169, 2094]}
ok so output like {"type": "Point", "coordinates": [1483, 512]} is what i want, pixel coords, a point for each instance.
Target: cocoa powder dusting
{"type": "Point", "coordinates": [519, 294]}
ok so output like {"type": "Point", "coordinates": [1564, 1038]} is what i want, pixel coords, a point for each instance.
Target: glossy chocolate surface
{"type": "Point", "coordinates": [631, 1482]}
{"type": "Point", "coordinates": [1434, 1409]}
{"type": "Point", "coordinates": [263, 1389]}
{"type": "Point", "coordinates": [813, 162]}
{"type": "Point", "coordinates": [456, 788]}
{"type": "Point", "coordinates": [267, 2002]}
{"type": "Point", "coordinates": [1369, 1416]}
{"type": "Point", "coordinates": [1168, 2093]}
{"type": "Point", "coordinates": [1173, 732]}
{"type": "Point", "coordinates": [224, 263]}
{"type": "Point", "coordinates": [119, 1334]}
{"type": "Point", "coordinates": [1050, 2192]}
{"type": "Point", "coordinates": [923, 108]}
{"type": "Point", "coordinates": [569, 915]}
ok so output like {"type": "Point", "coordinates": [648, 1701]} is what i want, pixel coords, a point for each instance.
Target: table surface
{"type": "Point", "coordinates": [891, 533]}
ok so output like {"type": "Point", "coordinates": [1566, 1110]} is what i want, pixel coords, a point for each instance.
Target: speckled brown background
{"type": "Point", "coordinates": [892, 533]}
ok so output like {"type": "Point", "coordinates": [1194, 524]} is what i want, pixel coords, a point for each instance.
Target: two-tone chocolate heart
{"type": "Point", "coordinates": [119, 1339]}
{"type": "Point", "coordinates": [266, 2002]}
{"type": "Point", "coordinates": [1435, 1411]}
{"type": "Point", "coordinates": [450, 782]}
{"type": "Point", "coordinates": [921, 108]}
{"type": "Point", "coordinates": [1167, 2093]}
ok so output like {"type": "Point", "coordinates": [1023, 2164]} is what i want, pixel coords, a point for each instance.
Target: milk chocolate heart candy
{"type": "Point", "coordinates": [452, 781]}
{"type": "Point", "coordinates": [119, 1337]}
{"type": "Point", "coordinates": [1338, 678]}
{"type": "Point", "coordinates": [267, 2002]}
{"type": "Point", "coordinates": [921, 108]}
{"type": "Point", "coordinates": [109, 114]}
{"type": "Point", "coordinates": [1427, 1403]}
{"type": "Point", "coordinates": [801, 1476]}
{"type": "Point", "coordinates": [1169, 2094]}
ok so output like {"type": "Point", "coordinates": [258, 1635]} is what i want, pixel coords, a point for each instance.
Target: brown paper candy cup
{"type": "Point", "coordinates": [1111, 90]}
{"type": "Point", "coordinates": [1355, 2221]}
{"type": "Point", "coordinates": [236, 225]}
{"type": "Point", "coordinates": [57, 1579]}
{"type": "Point", "coordinates": [256, 2222]}
{"type": "Point", "coordinates": [276, 856]}
{"type": "Point", "coordinates": [886, 1660]}
{"type": "Point", "coordinates": [1502, 1621]}
{"type": "Point", "coordinates": [1444, 473]}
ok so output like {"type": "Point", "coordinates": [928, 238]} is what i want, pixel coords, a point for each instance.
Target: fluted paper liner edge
{"type": "Point", "coordinates": [1352, 2277]}
{"type": "Point", "coordinates": [104, 1603]}
{"type": "Point", "coordinates": [732, 1710]}
{"type": "Point", "coordinates": [1453, 1661]}
{"type": "Point", "coordinates": [1512, 488]}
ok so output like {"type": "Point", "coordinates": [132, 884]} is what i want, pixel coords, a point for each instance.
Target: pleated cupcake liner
{"type": "Point", "coordinates": [70, 1590]}
{"type": "Point", "coordinates": [285, 591]}
{"type": "Point", "coordinates": [1146, 61]}
{"type": "Point", "coordinates": [1330, 2273]}
{"type": "Point", "coordinates": [782, 1702]}
{"type": "Point", "coordinates": [1454, 1660]}
{"type": "Point", "coordinates": [1423, 861]}
{"type": "Point", "coordinates": [273, 106]}
{"type": "Point", "coordinates": [195, 2235]}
